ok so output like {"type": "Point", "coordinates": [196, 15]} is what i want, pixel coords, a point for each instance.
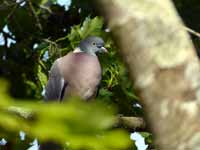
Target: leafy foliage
{"type": "Point", "coordinates": [86, 127]}
{"type": "Point", "coordinates": [36, 49]}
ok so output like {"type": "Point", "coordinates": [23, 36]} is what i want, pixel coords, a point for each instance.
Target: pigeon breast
{"type": "Point", "coordinates": [81, 73]}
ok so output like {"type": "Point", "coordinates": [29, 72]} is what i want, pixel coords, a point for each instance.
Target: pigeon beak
{"type": "Point", "coordinates": [104, 49]}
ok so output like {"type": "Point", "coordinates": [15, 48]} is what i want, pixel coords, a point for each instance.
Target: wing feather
{"type": "Point", "coordinates": [55, 84]}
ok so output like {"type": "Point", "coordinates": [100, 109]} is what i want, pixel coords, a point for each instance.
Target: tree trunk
{"type": "Point", "coordinates": [163, 65]}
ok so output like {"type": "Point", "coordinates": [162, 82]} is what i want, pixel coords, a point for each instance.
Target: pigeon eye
{"type": "Point", "coordinates": [94, 43]}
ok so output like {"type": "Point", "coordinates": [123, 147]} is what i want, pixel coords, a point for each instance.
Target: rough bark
{"type": "Point", "coordinates": [163, 65]}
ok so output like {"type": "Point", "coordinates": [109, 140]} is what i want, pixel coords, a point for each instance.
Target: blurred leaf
{"type": "Point", "coordinates": [89, 126]}
{"type": "Point", "coordinates": [105, 92]}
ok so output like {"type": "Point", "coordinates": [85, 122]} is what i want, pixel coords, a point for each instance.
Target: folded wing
{"type": "Point", "coordinates": [55, 85]}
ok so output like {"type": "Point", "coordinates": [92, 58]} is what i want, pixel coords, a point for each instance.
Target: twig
{"type": "Point", "coordinates": [5, 5]}
{"type": "Point", "coordinates": [12, 12]}
{"type": "Point", "coordinates": [192, 31]}
{"type": "Point", "coordinates": [35, 15]}
{"type": "Point", "coordinates": [15, 6]}
{"type": "Point", "coordinates": [61, 39]}
{"type": "Point", "coordinates": [45, 8]}
{"type": "Point", "coordinates": [49, 41]}
{"type": "Point", "coordinates": [7, 35]}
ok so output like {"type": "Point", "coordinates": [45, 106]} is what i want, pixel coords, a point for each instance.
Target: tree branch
{"type": "Point", "coordinates": [35, 15]}
{"type": "Point", "coordinates": [131, 123]}
{"type": "Point", "coordinates": [163, 65]}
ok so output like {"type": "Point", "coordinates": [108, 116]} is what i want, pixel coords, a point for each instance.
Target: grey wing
{"type": "Point", "coordinates": [55, 85]}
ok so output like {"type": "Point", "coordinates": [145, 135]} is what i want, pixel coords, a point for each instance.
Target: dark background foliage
{"type": "Point", "coordinates": [37, 31]}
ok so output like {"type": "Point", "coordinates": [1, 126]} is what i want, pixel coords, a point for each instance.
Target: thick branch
{"type": "Point", "coordinates": [131, 123]}
{"type": "Point", "coordinates": [163, 66]}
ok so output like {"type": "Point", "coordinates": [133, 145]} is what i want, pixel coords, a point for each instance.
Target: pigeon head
{"type": "Point", "coordinates": [92, 45]}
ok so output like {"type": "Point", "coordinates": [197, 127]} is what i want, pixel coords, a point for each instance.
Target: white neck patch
{"type": "Point", "coordinates": [77, 50]}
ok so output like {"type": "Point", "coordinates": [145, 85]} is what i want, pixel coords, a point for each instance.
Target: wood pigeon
{"type": "Point", "coordinates": [78, 73]}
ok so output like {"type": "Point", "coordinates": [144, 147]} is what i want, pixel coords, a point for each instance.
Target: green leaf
{"type": "Point", "coordinates": [147, 136]}
{"type": "Point", "coordinates": [89, 27]}
{"type": "Point", "coordinates": [41, 76]}
{"type": "Point", "coordinates": [82, 125]}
